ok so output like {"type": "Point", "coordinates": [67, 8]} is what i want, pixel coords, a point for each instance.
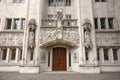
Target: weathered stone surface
{"type": "Point", "coordinates": [108, 39]}
{"type": "Point", "coordinates": [11, 38]}
{"type": "Point", "coordinates": [69, 34]}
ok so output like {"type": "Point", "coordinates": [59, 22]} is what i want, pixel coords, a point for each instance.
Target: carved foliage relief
{"type": "Point", "coordinates": [69, 34]}
{"type": "Point", "coordinates": [108, 39]}
{"type": "Point", "coordinates": [11, 39]}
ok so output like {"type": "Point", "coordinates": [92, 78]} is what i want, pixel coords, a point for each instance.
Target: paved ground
{"type": "Point", "coordinates": [60, 76]}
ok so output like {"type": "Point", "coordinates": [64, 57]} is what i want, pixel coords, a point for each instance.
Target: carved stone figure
{"type": "Point", "coordinates": [32, 27]}
{"type": "Point", "coordinates": [59, 33]}
{"type": "Point", "coordinates": [87, 33]}
{"type": "Point", "coordinates": [59, 14]}
{"type": "Point", "coordinates": [31, 37]}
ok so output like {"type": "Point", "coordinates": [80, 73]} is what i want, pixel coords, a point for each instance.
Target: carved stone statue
{"type": "Point", "coordinates": [59, 33]}
{"type": "Point", "coordinates": [87, 33]}
{"type": "Point", "coordinates": [59, 14]}
{"type": "Point", "coordinates": [32, 27]}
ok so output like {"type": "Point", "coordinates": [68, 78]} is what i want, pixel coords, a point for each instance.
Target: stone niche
{"type": "Point", "coordinates": [108, 39]}
{"type": "Point", "coordinates": [11, 38]}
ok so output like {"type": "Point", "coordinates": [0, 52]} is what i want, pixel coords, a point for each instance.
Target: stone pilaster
{"type": "Point", "coordinates": [17, 55]}
{"type": "Point", "coordinates": [99, 26]}
{"type": "Point", "coordinates": [8, 55]}
{"type": "Point", "coordinates": [20, 24]}
{"type": "Point", "coordinates": [118, 53]}
{"type": "Point", "coordinates": [12, 24]}
{"type": "Point", "coordinates": [110, 54]}
{"type": "Point", "coordinates": [101, 54]}
{"type": "Point", "coordinates": [106, 23]}
{"type": "Point", "coordinates": [0, 54]}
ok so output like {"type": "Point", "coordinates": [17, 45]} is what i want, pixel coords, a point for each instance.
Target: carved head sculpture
{"type": "Point", "coordinates": [87, 24]}
{"type": "Point", "coordinates": [59, 13]}
{"type": "Point", "coordinates": [32, 22]}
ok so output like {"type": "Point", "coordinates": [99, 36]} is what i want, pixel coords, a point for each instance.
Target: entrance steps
{"type": "Point", "coordinates": [60, 72]}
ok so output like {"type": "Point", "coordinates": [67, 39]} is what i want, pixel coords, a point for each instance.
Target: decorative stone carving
{"type": "Point", "coordinates": [68, 34]}
{"type": "Point", "coordinates": [32, 27]}
{"type": "Point", "coordinates": [107, 39]}
{"type": "Point", "coordinates": [59, 33]}
{"type": "Point", "coordinates": [32, 22]}
{"type": "Point", "coordinates": [11, 38]}
{"type": "Point", "coordinates": [87, 33]}
{"type": "Point", "coordinates": [59, 13]}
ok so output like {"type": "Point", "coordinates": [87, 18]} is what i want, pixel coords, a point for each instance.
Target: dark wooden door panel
{"type": "Point", "coordinates": [59, 59]}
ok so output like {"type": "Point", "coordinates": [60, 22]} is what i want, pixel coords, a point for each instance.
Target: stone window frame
{"type": "Point", "coordinates": [96, 19]}
{"type": "Point", "coordinates": [50, 16]}
{"type": "Point", "coordinates": [16, 24]}
{"type": "Point", "coordinates": [52, 3]}
{"type": "Point", "coordinates": [111, 18]}
{"type": "Point", "coordinates": [105, 25]}
{"type": "Point", "coordinates": [100, 0]}
{"type": "Point", "coordinates": [6, 24]}
{"type": "Point", "coordinates": [13, 54]}
{"type": "Point", "coordinates": [3, 58]}
{"type": "Point", "coordinates": [18, 1]}
{"type": "Point", "coordinates": [12, 24]}
{"type": "Point", "coordinates": [9, 55]}
{"type": "Point", "coordinates": [22, 24]}
{"type": "Point", "coordinates": [115, 58]}
{"type": "Point", "coordinates": [106, 54]}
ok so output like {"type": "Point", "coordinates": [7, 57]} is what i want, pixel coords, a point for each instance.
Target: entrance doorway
{"type": "Point", "coordinates": [59, 61]}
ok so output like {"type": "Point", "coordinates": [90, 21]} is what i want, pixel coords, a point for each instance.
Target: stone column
{"type": "Point", "coordinates": [8, 55]}
{"type": "Point", "coordinates": [101, 54]}
{"type": "Point", "coordinates": [17, 55]}
{"type": "Point", "coordinates": [110, 54]}
{"type": "Point", "coordinates": [118, 53]}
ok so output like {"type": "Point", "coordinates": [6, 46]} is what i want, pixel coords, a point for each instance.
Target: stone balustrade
{"type": "Point", "coordinates": [70, 22]}
{"type": "Point", "coordinates": [49, 23]}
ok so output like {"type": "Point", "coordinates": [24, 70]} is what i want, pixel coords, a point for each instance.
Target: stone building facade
{"type": "Point", "coordinates": [59, 35]}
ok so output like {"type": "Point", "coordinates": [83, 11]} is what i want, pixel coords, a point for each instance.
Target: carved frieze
{"type": "Point", "coordinates": [11, 38]}
{"type": "Point", "coordinates": [71, 34]}
{"type": "Point", "coordinates": [49, 34]}
{"type": "Point", "coordinates": [108, 39]}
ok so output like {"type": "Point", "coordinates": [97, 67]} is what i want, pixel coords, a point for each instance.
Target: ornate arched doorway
{"type": "Point", "coordinates": [59, 61]}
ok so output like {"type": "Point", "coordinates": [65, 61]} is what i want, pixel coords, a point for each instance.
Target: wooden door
{"type": "Point", "coordinates": [59, 59]}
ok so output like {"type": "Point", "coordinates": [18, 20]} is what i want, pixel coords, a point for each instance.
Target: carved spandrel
{"type": "Point", "coordinates": [11, 39]}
